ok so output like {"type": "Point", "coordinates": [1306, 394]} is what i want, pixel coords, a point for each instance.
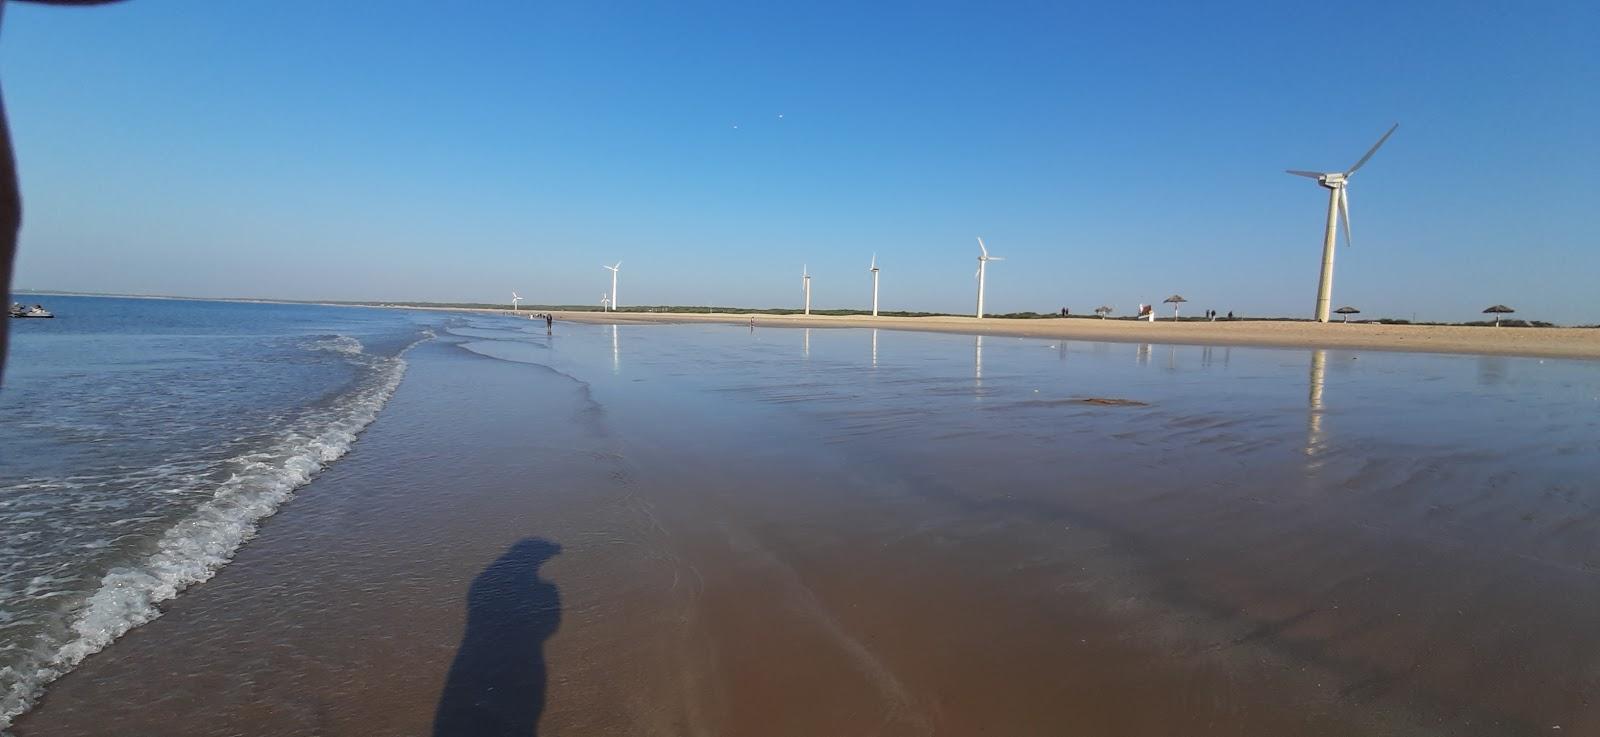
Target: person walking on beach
{"type": "Point", "coordinates": [549, 321]}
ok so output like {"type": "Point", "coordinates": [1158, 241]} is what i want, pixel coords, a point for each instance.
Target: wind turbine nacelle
{"type": "Point", "coordinates": [1332, 181]}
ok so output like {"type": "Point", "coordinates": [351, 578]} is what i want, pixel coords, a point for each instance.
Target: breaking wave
{"type": "Point", "coordinates": [200, 543]}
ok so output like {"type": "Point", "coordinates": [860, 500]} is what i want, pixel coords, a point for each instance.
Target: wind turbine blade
{"type": "Point", "coordinates": [1372, 150]}
{"type": "Point", "coordinates": [1344, 211]}
{"type": "Point", "coordinates": [1302, 173]}
{"type": "Point", "coordinates": [618, 266]}
{"type": "Point", "coordinates": [982, 248]}
{"type": "Point", "coordinates": [997, 258]}
{"type": "Point", "coordinates": [874, 263]}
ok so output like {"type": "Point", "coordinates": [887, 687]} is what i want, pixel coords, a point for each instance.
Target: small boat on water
{"type": "Point", "coordinates": [21, 310]}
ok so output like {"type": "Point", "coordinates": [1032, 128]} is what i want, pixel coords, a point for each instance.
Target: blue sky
{"type": "Point", "coordinates": [1114, 153]}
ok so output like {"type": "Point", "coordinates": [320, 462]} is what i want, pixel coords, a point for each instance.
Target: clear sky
{"type": "Point", "coordinates": [1113, 152]}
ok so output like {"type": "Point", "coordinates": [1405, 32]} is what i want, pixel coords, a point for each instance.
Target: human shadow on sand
{"type": "Point", "coordinates": [496, 685]}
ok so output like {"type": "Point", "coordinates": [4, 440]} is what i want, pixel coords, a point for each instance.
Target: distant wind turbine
{"type": "Point", "coordinates": [515, 298]}
{"type": "Point", "coordinates": [605, 302]}
{"type": "Point", "coordinates": [805, 285]}
{"type": "Point", "coordinates": [873, 267]}
{"type": "Point", "coordinates": [614, 270]}
{"type": "Point", "coordinates": [1338, 205]}
{"type": "Point", "coordinates": [983, 262]}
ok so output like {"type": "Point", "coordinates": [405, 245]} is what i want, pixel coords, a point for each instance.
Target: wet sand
{"type": "Point", "coordinates": [803, 533]}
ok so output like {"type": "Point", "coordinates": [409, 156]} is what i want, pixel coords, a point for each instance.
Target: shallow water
{"type": "Point", "coordinates": [790, 531]}
{"type": "Point", "coordinates": [141, 441]}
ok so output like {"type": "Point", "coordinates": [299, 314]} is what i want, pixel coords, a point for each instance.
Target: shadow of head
{"type": "Point", "coordinates": [496, 684]}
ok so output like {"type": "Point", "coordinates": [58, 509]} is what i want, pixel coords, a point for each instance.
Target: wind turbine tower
{"type": "Point", "coordinates": [614, 270]}
{"type": "Point", "coordinates": [1336, 183]}
{"type": "Point", "coordinates": [874, 269]}
{"type": "Point", "coordinates": [805, 286]}
{"type": "Point", "coordinates": [983, 262]}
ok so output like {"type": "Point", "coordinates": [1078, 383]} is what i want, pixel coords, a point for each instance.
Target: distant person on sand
{"type": "Point", "coordinates": [1230, 314]}
{"type": "Point", "coordinates": [549, 321]}
{"type": "Point", "coordinates": [10, 195]}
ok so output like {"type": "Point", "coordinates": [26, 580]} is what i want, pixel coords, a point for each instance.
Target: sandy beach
{"type": "Point", "coordinates": [1538, 342]}
{"type": "Point", "coordinates": [616, 529]}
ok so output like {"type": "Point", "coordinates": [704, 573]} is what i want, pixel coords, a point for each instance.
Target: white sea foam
{"type": "Point", "coordinates": [191, 551]}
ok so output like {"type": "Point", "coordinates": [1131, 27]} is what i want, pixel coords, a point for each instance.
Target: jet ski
{"type": "Point", "coordinates": [18, 310]}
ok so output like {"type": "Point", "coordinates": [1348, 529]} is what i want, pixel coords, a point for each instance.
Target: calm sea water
{"type": "Point", "coordinates": [142, 440]}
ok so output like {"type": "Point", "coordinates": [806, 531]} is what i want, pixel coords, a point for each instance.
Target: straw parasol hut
{"type": "Point", "coordinates": [1175, 300]}
{"type": "Point", "coordinates": [1347, 311]}
{"type": "Point", "coordinates": [1103, 310]}
{"type": "Point", "coordinates": [1497, 311]}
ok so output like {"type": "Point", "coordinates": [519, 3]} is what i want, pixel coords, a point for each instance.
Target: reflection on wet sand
{"type": "Point", "coordinates": [616, 352]}
{"type": "Point", "coordinates": [805, 343]}
{"type": "Point", "coordinates": [977, 361]}
{"type": "Point", "coordinates": [874, 347]}
{"type": "Point", "coordinates": [1492, 370]}
{"type": "Point", "coordinates": [1314, 439]}
{"type": "Point", "coordinates": [1142, 355]}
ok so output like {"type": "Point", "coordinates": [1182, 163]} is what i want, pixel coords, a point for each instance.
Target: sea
{"type": "Point", "coordinates": [143, 440]}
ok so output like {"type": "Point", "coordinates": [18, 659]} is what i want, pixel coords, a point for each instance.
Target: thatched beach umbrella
{"type": "Point", "coordinates": [1347, 311]}
{"type": "Point", "coordinates": [1103, 310]}
{"type": "Point", "coordinates": [1497, 311]}
{"type": "Point", "coordinates": [1175, 300]}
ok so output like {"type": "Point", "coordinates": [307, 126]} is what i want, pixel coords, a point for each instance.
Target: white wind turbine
{"type": "Point", "coordinates": [614, 270]}
{"type": "Point", "coordinates": [1338, 204]}
{"type": "Point", "coordinates": [983, 261]}
{"type": "Point", "coordinates": [605, 301]}
{"type": "Point", "coordinates": [805, 285]}
{"type": "Point", "coordinates": [515, 298]}
{"type": "Point", "coordinates": [873, 267]}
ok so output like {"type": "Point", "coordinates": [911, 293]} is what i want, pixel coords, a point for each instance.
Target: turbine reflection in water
{"type": "Point", "coordinates": [977, 364]}
{"type": "Point", "coordinates": [1315, 441]}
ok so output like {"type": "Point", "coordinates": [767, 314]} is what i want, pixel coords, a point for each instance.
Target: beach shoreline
{"type": "Point", "coordinates": [1582, 343]}
{"type": "Point", "coordinates": [1566, 343]}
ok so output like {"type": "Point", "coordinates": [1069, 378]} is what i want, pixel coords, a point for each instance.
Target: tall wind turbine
{"type": "Point", "coordinates": [983, 261]}
{"type": "Point", "coordinates": [515, 298]}
{"type": "Point", "coordinates": [805, 285]}
{"type": "Point", "coordinates": [1338, 204]}
{"type": "Point", "coordinates": [614, 270]}
{"type": "Point", "coordinates": [874, 269]}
